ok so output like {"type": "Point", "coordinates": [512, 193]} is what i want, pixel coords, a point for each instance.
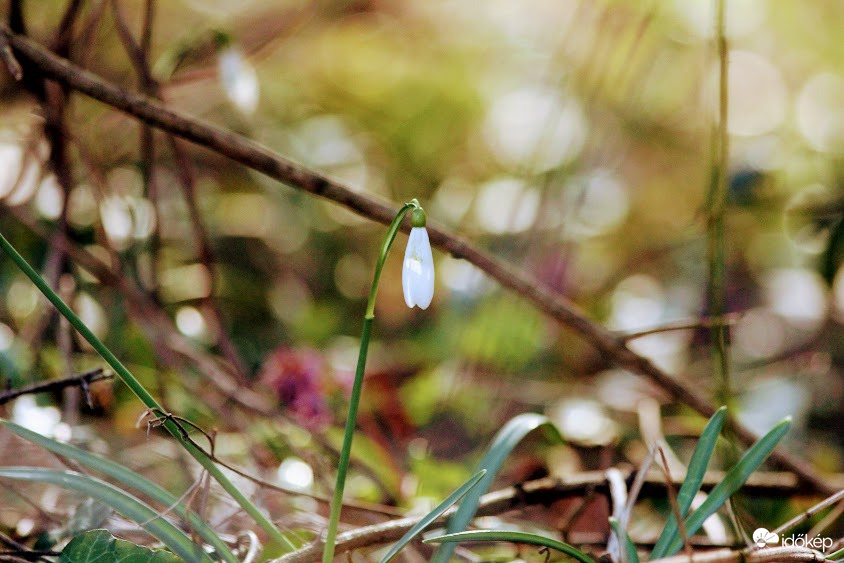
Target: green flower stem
{"type": "Point", "coordinates": [145, 396]}
{"type": "Point", "coordinates": [354, 401]}
{"type": "Point", "coordinates": [382, 257]}
{"type": "Point", "coordinates": [346, 451]}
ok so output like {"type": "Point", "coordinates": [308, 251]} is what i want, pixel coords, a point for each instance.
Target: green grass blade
{"type": "Point", "coordinates": [121, 501]}
{"type": "Point", "coordinates": [514, 537]}
{"type": "Point", "coordinates": [433, 515]}
{"type": "Point", "coordinates": [507, 438]}
{"type": "Point", "coordinates": [836, 556]}
{"type": "Point", "coordinates": [694, 477]}
{"type": "Point", "coordinates": [732, 481]}
{"type": "Point", "coordinates": [624, 539]}
{"type": "Point", "coordinates": [130, 479]}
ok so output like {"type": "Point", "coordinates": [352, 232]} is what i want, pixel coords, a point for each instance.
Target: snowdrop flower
{"type": "Point", "coordinates": [417, 275]}
{"type": "Point", "coordinates": [239, 79]}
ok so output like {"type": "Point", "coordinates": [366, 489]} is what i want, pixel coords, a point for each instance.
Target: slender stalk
{"type": "Point", "coordinates": [82, 380]}
{"type": "Point", "coordinates": [354, 401]}
{"type": "Point", "coordinates": [346, 451]}
{"type": "Point", "coordinates": [145, 396]}
{"type": "Point", "coordinates": [382, 256]}
{"type": "Point", "coordinates": [717, 200]}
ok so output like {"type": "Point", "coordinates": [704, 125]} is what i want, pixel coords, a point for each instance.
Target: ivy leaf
{"type": "Point", "coordinates": [99, 545]}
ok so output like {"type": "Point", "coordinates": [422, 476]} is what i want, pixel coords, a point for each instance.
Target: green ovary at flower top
{"type": "Point", "coordinates": [417, 275]}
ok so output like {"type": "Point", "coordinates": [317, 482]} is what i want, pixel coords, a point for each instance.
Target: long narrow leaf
{"type": "Point", "coordinates": [836, 556]}
{"type": "Point", "coordinates": [631, 556]}
{"type": "Point", "coordinates": [514, 537]}
{"type": "Point", "coordinates": [694, 477]}
{"type": "Point", "coordinates": [433, 515]}
{"type": "Point", "coordinates": [129, 478]}
{"type": "Point", "coordinates": [507, 438]}
{"type": "Point", "coordinates": [121, 501]}
{"type": "Point", "coordinates": [732, 481]}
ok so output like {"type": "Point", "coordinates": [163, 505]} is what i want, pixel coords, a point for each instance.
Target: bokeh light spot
{"type": "Point", "coordinates": [295, 473]}
{"type": "Point", "coordinates": [535, 128]}
{"type": "Point", "coordinates": [506, 205]}
{"type": "Point", "coordinates": [820, 112]}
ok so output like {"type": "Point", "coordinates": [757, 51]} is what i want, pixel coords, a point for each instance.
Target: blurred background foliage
{"type": "Point", "coordinates": [571, 138]}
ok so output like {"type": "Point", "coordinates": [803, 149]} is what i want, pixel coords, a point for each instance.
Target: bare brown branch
{"type": "Point", "coordinates": [82, 380]}
{"type": "Point", "coordinates": [8, 58]}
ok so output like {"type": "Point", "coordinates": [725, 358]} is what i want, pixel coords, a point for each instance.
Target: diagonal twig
{"type": "Point", "coordinates": [8, 58]}
{"type": "Point", "coordinates": [672, 500]}
{"type": "Point", "coordinates": [138, 53]}
{"type": "Point", "coordinates": [694, 324]}
{"type": "Point", "coordinates": [803, 516]}
{"type": "Point", "coordinates": [261, 159]}
{"type": "Point", "coordinates": [82, 380]}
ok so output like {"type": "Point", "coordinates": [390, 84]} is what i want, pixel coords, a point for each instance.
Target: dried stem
{"type": "Point", "coordinates": [539, 492]}
{"type": "Point", "coordinates": [8, 58]}
{"type": "Point", "coordinates": [54, 99]}
{"type": "Point", "coordinates": [694, 324]}
{"type": "Point", "coordinates": [139, 55]}
{"type": "Point", "coordinates": [672, 499]}
{"type": "Point", "coordinates": [802, 517]}
{"type": "Point", "coordinates": [82, 380]}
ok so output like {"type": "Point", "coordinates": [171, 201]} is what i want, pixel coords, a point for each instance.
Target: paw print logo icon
{"type": "Point", "coordinates": [763, 537]}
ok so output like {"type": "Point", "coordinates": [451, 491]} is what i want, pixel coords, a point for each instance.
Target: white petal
{"type": "Point", "coordinates": [240, 81]}
{"type": "Point", "coordinates": [418, 272]}
{"type": "Point", "coordinates": [405, 284]}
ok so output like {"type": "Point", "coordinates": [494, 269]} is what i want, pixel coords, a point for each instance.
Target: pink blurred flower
{"type": "Point", "coordinates": [296, 376]}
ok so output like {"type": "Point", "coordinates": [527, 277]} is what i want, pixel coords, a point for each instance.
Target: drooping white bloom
{"type": "Point", "coordinates": [239, 79]}
{"type": "Point", "coordinates": [417, 276]}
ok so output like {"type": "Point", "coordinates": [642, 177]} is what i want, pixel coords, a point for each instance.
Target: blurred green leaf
{"type": "Point", "coordinates": [503, 333]}
{"type": "Point", "coordinates": [422, 396]}
{"type": "Point", "coordinates": [437, 477]}
{"type": "Point", "coordinates": [371, 454]}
